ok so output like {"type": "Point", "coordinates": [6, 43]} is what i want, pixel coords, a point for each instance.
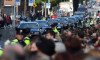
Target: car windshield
{"type": "Point", "coordinates": [29, 25]}
{"type": "Point", "coordinates": [71, 19]}
{"type": "Point", "coordinates": [63, 20]}
{"type": "Point", "coordinates": [79, 13]}
{"type": "Point", "coordinates": [53, 21]}
{"type": "Point", "coordinates": [43, 24]}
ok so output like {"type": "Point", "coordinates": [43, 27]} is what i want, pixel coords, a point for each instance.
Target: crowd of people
{"type": "Point", "coordinates": [5, 20]}
{"type": "Point", "coordinates": [71, 44]}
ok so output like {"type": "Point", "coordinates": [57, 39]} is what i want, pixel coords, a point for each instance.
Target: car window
{"type": "Point", "coordinates": [29, 25]}
{"type": "Point", "coordinates": [43, 24]}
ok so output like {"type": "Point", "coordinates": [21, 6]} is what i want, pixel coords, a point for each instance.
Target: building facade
{"type": "Point", "coordinates": [1, 5]}
{"type": "Point", "coordinates": [9, 7]}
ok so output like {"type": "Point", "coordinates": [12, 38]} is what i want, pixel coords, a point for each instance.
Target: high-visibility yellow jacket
{"type": "Point", "coordinates": [56, 31]}
{"type": "Point", "coordinates": [92, 22]}
{"type": "Point", "coordinates": [26, 41]}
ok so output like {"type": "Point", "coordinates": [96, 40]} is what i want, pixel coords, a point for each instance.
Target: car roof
{"type": "Point", "coordinates": [30, 22]}
{"type": "Point", "coordinates": [79, 12]}
{"type": "Point", "coordinates": [72, 17]}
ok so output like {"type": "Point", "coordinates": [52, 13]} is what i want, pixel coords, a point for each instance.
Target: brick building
{"type": "Point", "coordinates": [9, 7]}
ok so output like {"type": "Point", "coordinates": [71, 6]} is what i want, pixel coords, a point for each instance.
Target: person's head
{"type": "Point", "coordinates": [45, 46]}
{"type": "Point", "coordinates": [19, 36]}
{"type": "Point", "coordinates": [69, 33]}
{"type": "Point", "coordinates": [33, 44]}
{"type": "Point", "coordinates": [81, 34]}
{"type": "Point", "coordinates": [73, 44]}
{"type": "Point", "coordinates": [91, 18]}
{"type": "Point", "coordinates": [60, 47]}
{"type": "Point", "coordinates": [54, 25]}
{"type": "Point", "coordinates": [94, 35]}
{"type": "Point", "coordinates": [15, 52]}
{"type": "Point", "coordinates": [20, 33]}
{"type": "Point", "coordinates": [50, 35]}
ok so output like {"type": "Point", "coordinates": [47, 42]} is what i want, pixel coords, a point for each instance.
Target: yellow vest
{"type": "Point", "coordinates": [1, 52]}
{"type": "Point", "coordinates": [43, 18]}
{"type": "Point", "coordinates": [26, 41]}
{"type": "Point", "coordinates": [92, 22]}
{"type": "Point", "coordinates": [56, 31]}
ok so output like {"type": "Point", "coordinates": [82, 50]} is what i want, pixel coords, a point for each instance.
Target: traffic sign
{"type": "Point", "coordinates": [18, 2]}
{"type": "Point", "coordinates": [34, 5]}
{"type": "Point", "coordinates": [47, 5]}
{"type": "Point", "coordinates": [30, 2]}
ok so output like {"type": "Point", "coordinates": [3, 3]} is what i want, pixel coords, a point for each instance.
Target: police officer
{"type": "Point", "coordinates": [91, 21]}
{"type": "Point", "coordinates": [80, 24]}
{"type": "Point", "coordinates": [1, 51]}
{"type": "Point", "coordinates": [21, 37]}
{"type": "Point", "coordinates": [54, 28]}
{"type": "Point", "coordinates": [27, 34]}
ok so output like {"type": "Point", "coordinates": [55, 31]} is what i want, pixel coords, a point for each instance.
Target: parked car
{"type": "Point", "coordinates": [84, 14]}
{"type": "Point", "coordinates": [43, 25]}
{"type": "Point", "coordinates": [33, 26]}
{"type": "Point", "coordinates": [71, 20]}
{"type": "Point", "coordinates": [51, 21]}
{"type": "Point", "coordinates": [64, 22]}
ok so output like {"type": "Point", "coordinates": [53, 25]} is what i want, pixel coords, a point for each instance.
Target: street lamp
{"type": "Point", "coordinates": [14, 13]}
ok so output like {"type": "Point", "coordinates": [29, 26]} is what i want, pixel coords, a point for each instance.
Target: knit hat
{"type": "Point", "coordinates": [46, 46]}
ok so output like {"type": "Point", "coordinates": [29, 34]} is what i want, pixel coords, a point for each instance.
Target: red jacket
{"type": "Point", "coordinates": [8, 19]}
{"type": "Point", "coordinates": [54, 16]}
{"type": "Point", "coordinates": [99, 14]}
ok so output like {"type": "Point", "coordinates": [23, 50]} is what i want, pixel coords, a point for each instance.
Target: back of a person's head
{"type": "Point", "coordinates": [46, 46]}
{"type": "Point", "coordinates": [60, 47]}
{"type": "Point", "coordinates": [73, 44]}
{"type": "Point", "coordinates": [15, 52]}
{"type": "Point", "coordinates": [64, 56]}
{"type": "Point", "coordinates": [81, 34]}
{"type": "Point", "coordinates": [35, 38]}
